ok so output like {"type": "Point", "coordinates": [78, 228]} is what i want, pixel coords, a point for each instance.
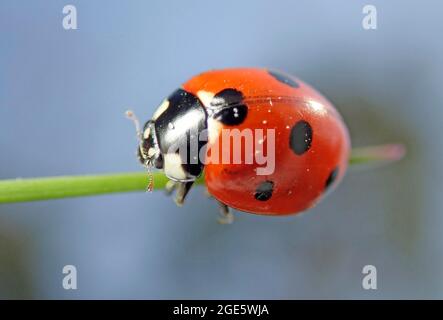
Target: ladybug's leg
{"type": "Point", "coordinates": [207, 193]}
{"type": "Point", "coordinates": [226, 216]}
{"type": "Point", "coordinates": [182, 190]}
{"type": "Point", "coordinates": [170, 186]}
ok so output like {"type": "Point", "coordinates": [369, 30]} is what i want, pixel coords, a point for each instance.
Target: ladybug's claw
{"type": "Point", "coordinates": [226, 216]}
{"type": "Point", "coordinates": [207, 193]}
{"type": "Point", "coordinates": [182, 190]}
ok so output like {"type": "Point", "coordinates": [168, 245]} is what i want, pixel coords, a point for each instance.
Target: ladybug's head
{"type": "Point", "coordinates": [149, 152]}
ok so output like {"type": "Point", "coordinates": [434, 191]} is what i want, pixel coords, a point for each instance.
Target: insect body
{"type": "Point", "coordinates": [267, 142]}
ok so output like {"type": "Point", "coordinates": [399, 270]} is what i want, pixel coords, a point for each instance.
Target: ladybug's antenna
{"type": "Point", "coordinates": [131, 116]}
{"type": "Point", "coordinates": [148, 164]}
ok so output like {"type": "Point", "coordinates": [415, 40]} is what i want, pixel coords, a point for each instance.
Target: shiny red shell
{"type": "Point", "coordinates": [277, 101]}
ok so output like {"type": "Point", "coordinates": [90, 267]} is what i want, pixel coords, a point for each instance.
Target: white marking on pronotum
{"type": "Point", "coordinates": [173, 167]}
{"type": "Point", "coordinates": [161, 108]}
{"type": "Point", "coordinates": [205, 97]}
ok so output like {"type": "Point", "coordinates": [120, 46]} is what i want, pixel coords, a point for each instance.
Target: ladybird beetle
{"type": "Point", "coordinates": [310, 143]}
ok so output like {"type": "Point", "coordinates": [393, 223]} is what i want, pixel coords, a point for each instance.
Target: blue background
{"type": "Point", "coordinates": [62, 99]}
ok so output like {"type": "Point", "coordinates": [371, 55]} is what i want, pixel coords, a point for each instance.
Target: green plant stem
{"type": "Point", "coordinates": [376, 155]}
{"type": "Point", "coordinates": [23, 190]}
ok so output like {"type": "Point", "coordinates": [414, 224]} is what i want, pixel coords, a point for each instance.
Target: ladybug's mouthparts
{"type": "Point", "coordinates": [149, 165]}
{"type": "Point", "coordinates": [149, 162]}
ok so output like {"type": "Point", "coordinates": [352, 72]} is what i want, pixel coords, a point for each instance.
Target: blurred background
{"type": "Point", "coordinates": [63, 94]}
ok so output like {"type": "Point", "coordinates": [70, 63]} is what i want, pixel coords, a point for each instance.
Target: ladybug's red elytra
{"type": "Point", "coordinates": [310, 142]}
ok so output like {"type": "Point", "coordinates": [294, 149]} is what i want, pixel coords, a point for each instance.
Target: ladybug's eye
{"type": "Point", "coordinates": [140, 156]}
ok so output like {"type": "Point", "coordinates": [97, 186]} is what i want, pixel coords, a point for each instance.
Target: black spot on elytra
{"type": "Point", "coordinates": [331, 178]}
{"type": "Point", "coordinates": [300, 139]}
{"type": "Point", "coordinates": [232, 116]}
{"type": "Point", "coordinates": [264, 191]}
{"type": "Point", "coordinates": [229, 106]}
{"type": "Point", "coordinates": [227, 97]}
{"type": "Point", "coordinates": [283, 78]}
